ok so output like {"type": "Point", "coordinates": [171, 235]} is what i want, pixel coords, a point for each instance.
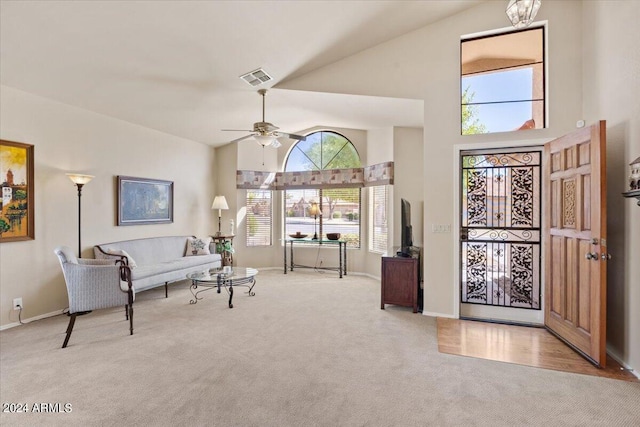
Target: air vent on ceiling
{"type": "Point", "coordinates": [256, 77]}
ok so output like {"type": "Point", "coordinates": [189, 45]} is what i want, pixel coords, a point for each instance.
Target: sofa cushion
{"type": "Point", "coordinates": [177, 264]}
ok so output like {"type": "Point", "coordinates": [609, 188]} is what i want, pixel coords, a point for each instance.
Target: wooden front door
{"type": "Point", "coordinates": [575, 240]}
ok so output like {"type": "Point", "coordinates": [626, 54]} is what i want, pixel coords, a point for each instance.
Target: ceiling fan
{"type": "Point", "coordinates": [265, 133]}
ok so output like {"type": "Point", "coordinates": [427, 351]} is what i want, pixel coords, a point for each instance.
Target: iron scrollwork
{"type": "Point", "coordinates": [501, 229]}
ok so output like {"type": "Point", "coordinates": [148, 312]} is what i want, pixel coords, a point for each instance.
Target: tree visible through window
{"type": "Point", "coordinates": [340, 206]}
{"type": "Point", "coordinates": [502, 82]}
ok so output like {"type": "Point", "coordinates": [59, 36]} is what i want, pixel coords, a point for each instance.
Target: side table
{"type": "Point", "coordinates": [224, 246]}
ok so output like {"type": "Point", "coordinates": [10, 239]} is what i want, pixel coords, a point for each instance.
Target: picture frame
{"type": "Point", "coordinates": [144, 201]}
{"type": "Point", "coordinates": [17, 210]}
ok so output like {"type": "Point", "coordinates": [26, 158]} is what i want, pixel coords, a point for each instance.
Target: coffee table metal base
{"type": "Point", "coordinates": [228, 284]}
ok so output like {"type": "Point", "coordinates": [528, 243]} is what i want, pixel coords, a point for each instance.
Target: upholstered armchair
{"type": "Point", "coordinates": [93, 284]}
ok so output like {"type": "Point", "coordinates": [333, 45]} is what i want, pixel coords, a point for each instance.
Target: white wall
{"type": "Point", "coordinates": [72, 139]}
{"type": "Point", "coordinates": [596, 60]}
{"type": "Point", "coordinates": [426, 64]}
{"type": "Point", "coordinates": [611, 87]}
{"type": "Point", "coordinates": [408, 149]}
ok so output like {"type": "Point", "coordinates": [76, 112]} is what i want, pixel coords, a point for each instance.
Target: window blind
{"type": "Point", "coordinates": [378, 226]}
{"type": "Point", "coordinates": [259, 218]}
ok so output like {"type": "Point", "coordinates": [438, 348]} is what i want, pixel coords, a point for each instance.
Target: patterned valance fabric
{"type": "Point", "coordinates": [380, 174]}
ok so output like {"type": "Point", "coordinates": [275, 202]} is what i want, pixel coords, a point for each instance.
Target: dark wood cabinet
{"type": "Point", "coordinates": [400, 282]}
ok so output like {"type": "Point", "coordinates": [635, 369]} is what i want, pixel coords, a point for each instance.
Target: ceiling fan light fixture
{"type": "Point", "coordinates": [265, 140]}
{"type": "Point", "coordinates": [521, 13]}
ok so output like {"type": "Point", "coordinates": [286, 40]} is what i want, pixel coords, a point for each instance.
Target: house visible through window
{"type": "Point", "coordinates": [503, 82]}
{"type": "Point", "coordinates": [259, 213]}
{"type": "Point", "coordinates": [378, 231]}
{"type": "Point", "coordinates": [340, 207]}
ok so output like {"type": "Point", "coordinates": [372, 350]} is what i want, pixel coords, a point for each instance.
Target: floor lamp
{"type": "Point", "coordinates": [79, 181]}
{"type": "Point", "coordinates": [314, 210]}
{"type": "Point", "coordinates": [220, 203]}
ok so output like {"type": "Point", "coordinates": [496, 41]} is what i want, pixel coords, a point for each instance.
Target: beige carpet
{"type": "Point", "coordinates": [308, 350]}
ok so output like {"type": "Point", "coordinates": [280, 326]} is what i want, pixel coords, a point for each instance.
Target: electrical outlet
{"type": "Point", "coordinates": [17, 303]}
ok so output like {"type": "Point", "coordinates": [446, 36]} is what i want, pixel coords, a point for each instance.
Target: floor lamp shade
{"type": "Point", "coordinates": [79, 180]}
{"type": "Point", "coordinates": [220, 203]}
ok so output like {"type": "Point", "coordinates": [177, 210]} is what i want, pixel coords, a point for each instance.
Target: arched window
{"type": "Point", "coordinates": [340, 207]}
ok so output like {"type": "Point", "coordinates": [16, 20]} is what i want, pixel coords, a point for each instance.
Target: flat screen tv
{"type": "Point", "coordinates": [406, 235]}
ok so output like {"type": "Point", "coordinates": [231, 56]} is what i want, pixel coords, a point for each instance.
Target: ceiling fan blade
{"type": "Point", "coordinates": [241, 138]}
{"type": "Point", "coordinates": [290, 136]}
{"type": "Point", "coordinates": [236, 130]}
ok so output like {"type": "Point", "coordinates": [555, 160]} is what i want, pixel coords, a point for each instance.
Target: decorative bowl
{"type": "Point", "coordinates": [333, 236]}
{"type": "Point", "coordinates": [298, 235]}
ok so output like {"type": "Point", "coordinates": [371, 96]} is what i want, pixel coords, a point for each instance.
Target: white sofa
{"type": "Point", "coordinates": [157, 261]}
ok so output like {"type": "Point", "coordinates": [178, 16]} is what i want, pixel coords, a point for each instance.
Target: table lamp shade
{"type": "Point", "coordinates": [314, 209]}
{"type": "Point", "coordinates": [219, 202]}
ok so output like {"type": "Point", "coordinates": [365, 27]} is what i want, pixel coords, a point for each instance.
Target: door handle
{"type": "Point", "coordinates": [593, 256]}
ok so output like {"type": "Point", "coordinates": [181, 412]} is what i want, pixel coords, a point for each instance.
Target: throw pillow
{"type": "Point", "coordinates": [122, 252]}
{"type": "Point", "coordinates": [196, 246]}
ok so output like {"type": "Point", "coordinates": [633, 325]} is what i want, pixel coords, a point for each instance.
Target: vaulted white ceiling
{"type": "Point", "coordinates": [174, 66]}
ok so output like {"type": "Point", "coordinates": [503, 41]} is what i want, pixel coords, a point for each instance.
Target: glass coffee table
{"type": "Point", "coordinates": [216, 278]}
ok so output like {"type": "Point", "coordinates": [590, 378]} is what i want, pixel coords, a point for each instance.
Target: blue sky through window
{"type": "Point", "coordinates": [509, 85]}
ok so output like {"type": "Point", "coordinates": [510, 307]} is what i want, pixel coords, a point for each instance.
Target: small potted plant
{"type": "Point", "coordinates": [224, 247]}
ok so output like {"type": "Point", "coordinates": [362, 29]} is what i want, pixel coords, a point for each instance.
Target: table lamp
{"type": "Point", "coordinates": [220, 203]}
{"type": "Point", "coordinates": [314, 210]}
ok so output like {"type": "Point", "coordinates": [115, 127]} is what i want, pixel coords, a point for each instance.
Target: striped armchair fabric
{"type": "Point", "coordinates": [93, 284]}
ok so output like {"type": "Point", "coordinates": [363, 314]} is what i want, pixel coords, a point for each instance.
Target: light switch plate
{"type": "Point", "coordinates": [441, 228]}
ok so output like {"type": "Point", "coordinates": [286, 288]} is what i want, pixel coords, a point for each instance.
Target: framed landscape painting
{"type": "Point", "coordinates": [16, 207]}
{"type": "Point", "coordinates": [144, 201]}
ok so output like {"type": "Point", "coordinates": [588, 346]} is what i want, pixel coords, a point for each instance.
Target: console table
{"type": "Point", "coordinates": [342, 253]}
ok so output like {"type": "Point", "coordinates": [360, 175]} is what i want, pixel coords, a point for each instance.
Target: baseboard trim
{"type": "Point", "coordinates": [350, 273]}
{"type": "Point", "coordinates": [615, 356]}
{"type": "Point", "coordinates": [268, 268]}
{"type": "Point", "coordinates": [436, 314]}
{"type": "Point", "coordinates": [31, 319]}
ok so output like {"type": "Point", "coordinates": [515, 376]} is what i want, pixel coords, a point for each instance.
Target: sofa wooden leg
{"type": "Point", "coordinates": [166, 289]}
{"type": "Point", "coordinates": [72, 321]}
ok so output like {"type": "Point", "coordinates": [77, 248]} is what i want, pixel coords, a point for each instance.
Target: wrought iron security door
{"type": "Point", "coordinates": [500, 229]}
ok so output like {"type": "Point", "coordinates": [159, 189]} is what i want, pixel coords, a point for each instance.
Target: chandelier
{"type": "Point", "coordinates": [522, 12]}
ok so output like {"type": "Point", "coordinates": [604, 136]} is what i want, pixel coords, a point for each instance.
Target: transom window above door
{"type": "Point", "coordinates": [502, 82]}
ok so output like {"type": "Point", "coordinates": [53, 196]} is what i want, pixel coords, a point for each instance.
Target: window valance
{"type": "Point", "coordinates": [379, 174]}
